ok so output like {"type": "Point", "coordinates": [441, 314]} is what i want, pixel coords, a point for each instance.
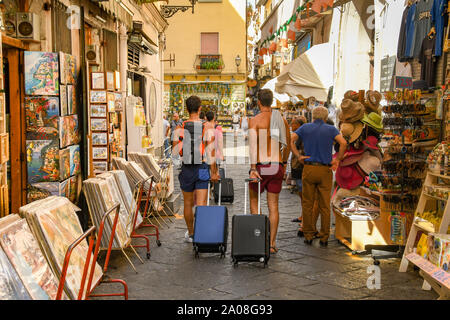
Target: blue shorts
{"type": "Point", "coordinates": [299, 184]}
{"type": "Point", "coordinates": [194, 177]}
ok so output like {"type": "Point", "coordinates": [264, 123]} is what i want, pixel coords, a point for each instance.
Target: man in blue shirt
{"type": "Point", "coordinates": [318, 139]}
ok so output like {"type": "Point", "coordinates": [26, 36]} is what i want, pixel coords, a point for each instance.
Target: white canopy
{"type": "Point", "coordinates": [311, 74]}
{"type": "Point", "coordinates": [280, 97]}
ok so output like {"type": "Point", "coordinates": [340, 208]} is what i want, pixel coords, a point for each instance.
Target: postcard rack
{"type": "Point", "coordinates": [139, 192]}
{"type": "Point", "coordinates": [90, 266]}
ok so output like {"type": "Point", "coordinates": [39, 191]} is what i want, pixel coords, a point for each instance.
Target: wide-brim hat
{"type": "Point", "coordinates": [352, 131]}
{"type": "Point", "coordinates": [373, 120]}
{"type": "Point", "coordinates": [369, 163]}
{"type": "Point", "coordinates": [349, 160]}
{"type": "Point", "coordinates": [373, 99]}
{"type": "Point", "coordinates": [352, 95]}
{"type": "Point", "coordinates": [371, 142]}
{"type": "Point", "coordinates": [348, 177]}
{"type": "Point", "coordinates": [351, 111]}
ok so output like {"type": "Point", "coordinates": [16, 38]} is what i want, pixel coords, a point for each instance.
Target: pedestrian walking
{"type": "Point", "coordinates": [236, 120]}
{"type": "Point", "coordinates": [317, 178]}
{"type": "Point", "coordinates": [198, 162]}
{"type": "Point", "coordinates": [174, 124]}
{"type": "Point", "coordinates": [244, 126]}
{"type": "Point", "coordinates": [268, 131]}
{"type": "Point", "coordinates": [166, 135]}
{"type": "Point", "coordinates": [218, 136]}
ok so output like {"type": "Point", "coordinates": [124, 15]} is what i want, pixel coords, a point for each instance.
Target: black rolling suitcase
{"type": "Point", "coordinates": [250, 235]}
{"type": "Point", "coordinates": [227, 188]}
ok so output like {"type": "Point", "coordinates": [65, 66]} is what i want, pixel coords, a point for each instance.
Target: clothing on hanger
{"type": "Point", "coordinates": [438, 18]}
{"type": "Point", "coordinates": [409, 32]}
{"type": "Point", "coordinates": [427, 60]}
{"type": "Point", "coordinates": [422, 24]}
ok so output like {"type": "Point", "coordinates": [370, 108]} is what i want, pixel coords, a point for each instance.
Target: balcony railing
{"type": "Point", "coordinates": [209, 63]}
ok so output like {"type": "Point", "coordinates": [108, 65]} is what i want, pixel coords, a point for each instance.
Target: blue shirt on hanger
{"type": "Point", "coordinates": [409, 48]}
{"type": "Point", "coordinates": [437, 18]}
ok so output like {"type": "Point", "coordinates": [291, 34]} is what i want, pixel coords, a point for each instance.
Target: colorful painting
{"type": "Point", "coordinates": [11, 287]}
{"type": "Point", "coordinates": [71, 99]}
{"type": "Point", "coordinates": [71, 68]}
{"type": "Point", "coordinates": [111, 98]}
{"type": "Point", "coordinates": [118, 98]}
{"type": "Point", "coordinates": [63, 100]}
{"type": "Point", "coordinates": [41, 73]}
{"type": "Point", "coordinates": [98, 110]}
{"type": "Point", "coordinates": [99, 138]}
{"type": "Point", "coordinates": [64, 188]}
{"type": "Point", "coordinates": [100, 166]}
{"type": "Point", "coordinates": [100, 153]}
{"type": "Point", "coordinates": [23, 251]}
{"type": "Point", "coordinates": [64, 163]}
{"type": "Point", "coordinates": [42, 190]}
{"type": "Point", "coordinates": [99, 125]}
{"type": "Point", "coordinates": [98, 80]}
{"type": "Point", "coordinates": [75, 160]}
{"type": "Point", "coordinates": [42, 160]}
{"type": "Point", "coordinates": [62, 67]}
{"type": "Point", "coordinates": [97, 96]}
{"type": "Point", "coordinates": [69, 131]}
{"type": "Point", "coordinates": [74, 187]}
{"type": "Point", "coordinates": [110, 81]}
{"type": "Point", "coordinates": [42, 118]}
{"type": "Point", "coordinates": [60, 227]}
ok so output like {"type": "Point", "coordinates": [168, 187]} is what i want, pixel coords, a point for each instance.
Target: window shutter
{"type": "Point", "coordinates": [110, 50]}
{"type": "Point", "coordinates": [210, 43]}
{"type": "Point", "coordinates": [62, 35]}
{"type": "Point", "coordinates": [133, 55]}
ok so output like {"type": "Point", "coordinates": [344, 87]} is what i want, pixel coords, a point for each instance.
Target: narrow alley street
{"type": "Point", "coordinates": [296, 272]}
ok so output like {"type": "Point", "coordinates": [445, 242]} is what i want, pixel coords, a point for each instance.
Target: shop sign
{"type": "Point", "coordinates": [403, 82]}
{"type": "Point", "coordinates": [387, 73]}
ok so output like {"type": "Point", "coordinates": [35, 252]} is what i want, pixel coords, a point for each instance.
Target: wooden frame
{"type": "Point", "coordinates": [110, 81]}
{"type": "Point", "coordinates": [96, 81]}
{"type": "Point", "coordinates": [103, 128]}
{"type": "Point", "coordinates": [105, 134]}
{"type": "Point", "coordinates": [4, 148]}
{"type": "Point", "coordinates": [94, 93]}
{"type": "Point", "coordinates": [100, 113]}
{"type": "Point", "coordinates": [98, 149]}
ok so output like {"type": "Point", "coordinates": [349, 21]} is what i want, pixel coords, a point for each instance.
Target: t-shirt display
{"type": "Point", "coordinates": [422, 21]}
{"type": "Point", "coordinates": [427, 60]}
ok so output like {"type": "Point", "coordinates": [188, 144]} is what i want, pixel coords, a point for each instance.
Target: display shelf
{"type": "Point", "coordinates": [434, 197]}
{"type": "Point", "coordinates": [424, 225]}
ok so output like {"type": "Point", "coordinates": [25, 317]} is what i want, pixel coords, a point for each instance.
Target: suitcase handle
{"type": "Point", "coordinates": [247, 183]}
{"type": "Point", "coordinates": [209, 191]}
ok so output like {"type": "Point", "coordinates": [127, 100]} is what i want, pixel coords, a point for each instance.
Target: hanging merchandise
{"type": "Point", "coordinates": [438, 18]}
{"type": "Point", "coordinates": [427, 60]}
{"type": "Point", "coordinates": [422, 22]}
{"type": "Point", "coordinates": [398, 223]}
{"type": "Point", "coordinates": [409, 30]}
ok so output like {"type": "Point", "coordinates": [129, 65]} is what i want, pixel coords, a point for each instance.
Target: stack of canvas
{"type": "Point", "coordinates": [102, 194]}
{"type": "Point", "coordinates": [55, 225]}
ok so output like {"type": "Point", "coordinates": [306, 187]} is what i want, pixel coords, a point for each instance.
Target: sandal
{"type": "Point", "coordinates": [273, 250]}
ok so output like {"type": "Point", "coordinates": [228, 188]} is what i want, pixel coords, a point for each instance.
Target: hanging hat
{"type": "Point", "coordinates": [373, 99]}
{"type": "Point", "coordinates": [371, 142]}
{"type": "Point", "coordinates": [344, 193]}
{"type": "Point", "coordinates": [369, 163]}
{"type": "Point", "coordinates": [373, 120]}
{"type": "Point", "coordinates": [348, 177]}
{"type": "Point", "coordinates": [351, 111]}
{"type": "Point", "coordinates": [352, 131]}
{"type": "Point", "coordinates": [352, 95]}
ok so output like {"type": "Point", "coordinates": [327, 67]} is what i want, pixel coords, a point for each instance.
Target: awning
{"type": "Point", "coordinates": [309, 75]}
{"type": "Point", "coordinates": [114, 8]}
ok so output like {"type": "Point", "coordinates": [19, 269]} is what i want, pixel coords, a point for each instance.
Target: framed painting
{"type": "Point", "coordinates": [98, 110]}
{"type": "Point", "coordinates": [64, 188]}
{"type": "Point", "coordinates": [42, 160]}
{"type": "Point", "coordinates": [63, 100]}
{"type": "Point", "coordinates": [64, 163]}
{"type": "Point", "coordinates": [41, 73]}
{"type": "Point", "coordinates": [110, 97]}
{"type": "Point", "coordinates": [97, 96]}
{"type": "Point", "coordinates": [12, 286]}
{"type": "Point", "coordinates": [98, 81]}
{"type": "Point", "coordinates": [100, 153]}
{"type": "Point", "coordinates": [99, 138]}
{"type": "Point", "coordinates": [71, 68]}
{"type": "Point", "coordinates": [110, 84]}
{"type": "Point", "coordinates": [100, 166]}
{"type": "Point", "coordinates": [22, 249]}
{"type": "Point", "coordinates": [69, 131]}
{"type": "Point", "coordinates": [42, 117]}
{"type": "Point", "coordinates": [62, 67]}
{"type": "Point", "coordinates": [42, 190]}
{"type": "Point", "coordinates": [71, 99]}
{"type": "Point", "coordinates": [117, 80]}
{"type": "Point", "coordinates": [118, 101]}
{"type": "Point", "coordinates": [99, 124]}
{"type": "Point", "coordinates": [75, 159]}
{"type": "Point", "coordinates": [75, 183]}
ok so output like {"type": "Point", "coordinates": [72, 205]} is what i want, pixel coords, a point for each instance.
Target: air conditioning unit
{"type": "Point", "coordinates": [93, 54]}
{"type": "Point", "coordinates": [10, 24]}
{"type": "Point", "coordinates": [28, 26]}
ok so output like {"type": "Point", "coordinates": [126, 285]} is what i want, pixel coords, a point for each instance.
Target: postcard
{"type": "Point", "coordinates": [99, 138]}
{"type": "Point", "coordinates": [100, 153]}
{"type": "Point", "coordinates": [99, 124]}
{"type": "Point", "coordinates": [97, 96]}
{"type": "Point", "coordinates": [98, 110]}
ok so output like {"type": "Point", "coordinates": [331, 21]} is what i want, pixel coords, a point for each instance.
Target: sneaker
{"type": "Point", "coordinates": [188, 238]}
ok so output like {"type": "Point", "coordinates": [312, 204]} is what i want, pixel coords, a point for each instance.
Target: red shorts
{"type": "Point", "coordinates": [272, 178]}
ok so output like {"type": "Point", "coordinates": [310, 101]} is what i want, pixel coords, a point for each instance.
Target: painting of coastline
{"type": "Point", "coordinates": [42, 117]}
{"type": "Point", "coordinates": [41, 73]}
{"type": "Point", "coordinates": [100, 166]}
{"type": "Point", "coordinates": [69, 131]}
{"type": "Point", "coordinates": [75, 160]}
{"type": "Point", "coordinates": [97, 96]}
{"type": "Point", "coordinates": [99, 138]}
{"type": "Point", "coordinates": [99, 125]}
{"type": "Point", "coordinates": [23, 251]}
{"type": "Point", "coordinates": [11, 287]}
{"type": "Point", "coordinates": [64, 163]}
{"type": "Point", "coordinates": [100, 153]}
{"type": "Point", "coordinates": [42, 160]}
{"type": "Point", "coordinates": [42, 190]}
{"type": "Point", "coordinates": [98, 110]}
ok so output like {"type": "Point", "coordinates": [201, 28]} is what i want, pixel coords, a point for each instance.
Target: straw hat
{"type": "Point", "coordinates": [351, 111]}
{"type": "Point", "coordinates": [352, 95]}
{"type": "Point", "coordinates": [369, 163]}
{"type": "Point", "coordinates": [352, 131]}
{"type": "Point", "coordinates": [373, 99]}
{"type": "Point", "coordinates": [373, 120]}
{"type": "Point", "coordinates": [348, 177]}
{"type": "Point", "coordinates": [344, 193]}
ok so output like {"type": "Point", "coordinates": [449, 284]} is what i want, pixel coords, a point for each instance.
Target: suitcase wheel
{"type": "Point", "coordinates": [235, 263]}
{"type": "Point", "coordinates": [222, 252]}
{"type": "Point", "coordinates": [158, 243]}
{"type": "Point", "coordinates": [196, 255]}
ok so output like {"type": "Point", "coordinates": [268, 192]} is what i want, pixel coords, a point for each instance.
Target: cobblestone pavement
{"type": "Point", "coordinates": [296, 272]}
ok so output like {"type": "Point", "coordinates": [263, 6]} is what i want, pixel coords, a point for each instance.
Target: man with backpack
{"type": "Point", "coordinates": [198, 162]}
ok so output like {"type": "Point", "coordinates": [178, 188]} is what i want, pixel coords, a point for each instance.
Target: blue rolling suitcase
{"type": "Point", "coordinates": [211, 228]}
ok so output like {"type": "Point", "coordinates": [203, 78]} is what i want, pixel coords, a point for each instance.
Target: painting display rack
{"type": "Point", "coordinates": [88, 267]}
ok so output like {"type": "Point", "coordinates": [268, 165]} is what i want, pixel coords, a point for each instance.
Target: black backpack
{"type": "Point", "coordinates": [191, 138]}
